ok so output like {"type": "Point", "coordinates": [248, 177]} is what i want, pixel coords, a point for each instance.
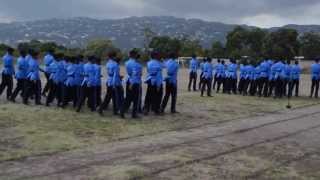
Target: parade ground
{"type": "Point", "coordinates": [222, 137]}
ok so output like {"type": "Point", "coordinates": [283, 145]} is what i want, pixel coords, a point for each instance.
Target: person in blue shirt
{"type": "Point", "coordinates": [255, 80]}
{"type": "Point", "coordinates": [193, 68]}
{"type": "Point", "coordinates": [87, 86]}
{"type": "Point", "coordinates": [264, 78]}
{"type": "Point", "coordinates": [79, 75]}
{"type": "Point", "coordinates": [48, 59]}
{"type": "Point", "coordinates": [215, 78]}
{"type": "Point", "coordinates": [154, 81]}
{"type": "Point", "coordinates": [278, 68]}
{"type": "Point", "coordinates": [201, 74]}
{"type": "Point", "coordinates": [140, 91]}
{"type": "Point", "coordinates": [272, 75]}
{"type": "Point", "coordinates": [62, 77]}
{"type": "Point", "coordinates": [295, 79]}
{"type": "Point", "coordinates": [97, 66]}
{"type": "Point", "coordinates": [243, 74]}
{"type": "Point", "coordinates": [21, 75]}
{"type": "Point", "coordinates": [113, 84]}
{"type": "Point", "coordinates": [249, 78]}
{"type": "Point", "coordinates": [231, 75]}
{"type": "Point", "coordinates": [221, 75]}
{"type": "Point", "coordinates": [172, 68]}
{"type": "Point", "coordinates": [286, 78]}
{"type": "Point", "coordinates": [208, 76]}
{"type": "Point", "coordinates": [69, 88]}
{"type": "Point", "coordinates": [58, 75]}
{"type": "Point", "coordinates": [315, 78]}
{"type": "Point", "coordinates": [53, 88]}
{"type": "Point", "coordinates": [134, 75]}
{"type": "Point", "coordinates": [7, 73]}
{"type": "Point", "coordinates": [33, 79]}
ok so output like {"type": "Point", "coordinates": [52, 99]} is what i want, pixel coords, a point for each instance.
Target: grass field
{"type": "Point", "coordinates": [37, 130]}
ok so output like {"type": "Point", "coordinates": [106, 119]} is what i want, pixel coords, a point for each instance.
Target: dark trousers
{"type": "Point", "coordinates": [140, 100]}
{"type": "Point", "coordinates": [271, 87]}
{"type": "Point", "coordinates": [253, 87]}
{"type": "Point", "coordinates": [193, 81]}
{"type": "Point", "coordinates": [131, 97]}
{"type": "Point", "coordinates": [231, 85]}
{"type": "Point", "coordinates": [139, 96]}
{"type": "Point", "coordinates": [92, 102]}
{"type": "Point", "coordinates": [263, 86]}
{"type": "Point", "coordinates": [215, 79]}
{"type": "Point", "coordinates": [315, 88]}
{"type": "Point", "coordinates": [279, 88]}
{"type": "Point", "coordinates": [7, 82]}
{"type": "Point", "coordinates": [220, 81]}
{"type": "Point", "coordinates": [201, 80]}
{"type": "Point", "coordinates": [225, 85]}
{"type": "Point", "coordinates": [285, 86]}
{"type": "Point", "coordinates": [48, 83]}
{"type": "Point", "coordinates": [86, 92]}
{"type": "Point", "coordinates": [69, 95]}
{"type": "Point", "coordinates": [114, 94]}
{"type": "Point", "coordinates": [207, 83]}
{"type": "Point", "coordinates": [33, 89]}
{"type": "Point", "coordinates": [98, 95]}
{"type": "Point", "coordinates": [55, 92]}
{"type": "Point", "coordinates": [295, 84]}
{"type": "Point", "coordinates": [153, 99]}
{"type": "Point", "coordinates": [60, 93]}
{"type": "Point", "coordinates": [78, 92]}
{"type": "Point", "coordinates": [171, 90]}
{"type": "Point", "coordinates": [21, 87]}
{"type": "Point", "coordinates": [119, 96]}
{"type": "Point", "coordinates": [246, 84]}
{"type": "Point", "coordinates": [109, 95]}
{"type": "Point", "coordinates": [241, 85]}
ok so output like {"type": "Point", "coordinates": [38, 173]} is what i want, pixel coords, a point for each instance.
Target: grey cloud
{"type": "Point", "coordinates": [229, 11]}
{"type": "Point", "coordinates": [233, 10]}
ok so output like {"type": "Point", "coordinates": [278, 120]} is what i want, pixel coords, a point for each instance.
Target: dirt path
{"type": "Point", "coordinates": [274, 141]}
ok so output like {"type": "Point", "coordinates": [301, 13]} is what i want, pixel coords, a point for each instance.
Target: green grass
{"type": "Point", "coordinates": [30, 130]}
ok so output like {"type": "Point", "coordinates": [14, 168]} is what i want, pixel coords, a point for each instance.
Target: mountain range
{"type": "Point", "coordinates": [125, 33]}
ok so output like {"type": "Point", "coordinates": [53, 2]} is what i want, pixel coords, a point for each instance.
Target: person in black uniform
{"type": "Point", "coordinates": [172, 67]}
{"type": "Point", "coordinates": [87, 86]}
{"type": "Point", "coordinates": [7, 73]}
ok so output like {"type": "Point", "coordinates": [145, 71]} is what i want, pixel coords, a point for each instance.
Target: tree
{"type": "Point", "coordinates": [237, 42]}
{"type": "Point", "coordinates": [45, 47]}
{"type": "Point", "coordinates": [23, 46]}
{"type": "Point", "coordinates": [185, 46]}
{"type": "Point", "coordinates": [100, 48]}
{"type": "Point", "coordinates": [165, 44]}
{"type": "Point", "coordinates": [310, 45]}
{"type": "Point", "coordinates": [282, 44]}
{"type": "Point", "coordinates": [255, 39]}
{"type": "Point", "coordinates": [190, 47]}
{"type": "Point", "coordinates": [244, 42]}
{"type": "Point", "coordinates": [217, 50]}
{"type": "Point", "coordinates": [3, 49]}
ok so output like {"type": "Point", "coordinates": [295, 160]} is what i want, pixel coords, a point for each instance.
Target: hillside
{"type": "Point", "coordinates": [126, 33]}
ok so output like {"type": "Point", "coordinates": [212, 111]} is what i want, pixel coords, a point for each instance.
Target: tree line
{"type": "Point", "coordinates": [254, 43]}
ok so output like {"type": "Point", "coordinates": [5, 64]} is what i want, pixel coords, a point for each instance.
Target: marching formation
{"type": "Point", "coordinates": [267, 78]}
{"type": "Point", "coordinates": [77, 80]}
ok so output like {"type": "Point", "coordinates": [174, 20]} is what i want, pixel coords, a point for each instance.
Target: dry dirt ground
{"type": "Point", "coordinates": [224, 137]}
{"type": "Point", "coordinates": [283, 145]}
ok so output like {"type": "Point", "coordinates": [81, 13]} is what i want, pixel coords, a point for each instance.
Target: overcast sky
{"type": "Point", "coordinates": [263, 13]}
